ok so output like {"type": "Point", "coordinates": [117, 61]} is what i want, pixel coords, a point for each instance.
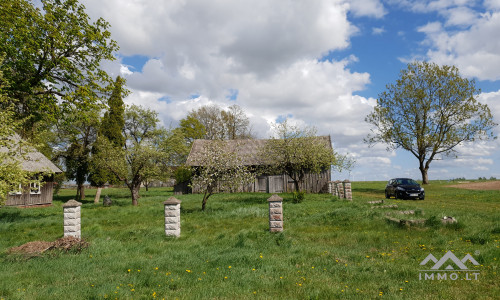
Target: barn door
{"type": "Point", "coordinates": [278, 184]}
{"type": "Point", "coordinates": [262, 184]}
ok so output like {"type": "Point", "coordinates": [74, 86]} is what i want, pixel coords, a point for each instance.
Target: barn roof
{"type": "Point", "coordinates": [33, 160]}
{"type": "Point", "coordinates": [248, 150]}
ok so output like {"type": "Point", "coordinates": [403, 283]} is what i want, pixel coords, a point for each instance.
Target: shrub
{"type": "Point", "coordinates": [299, 196]}
{"type": "Point", "coordinates": [183, 174]}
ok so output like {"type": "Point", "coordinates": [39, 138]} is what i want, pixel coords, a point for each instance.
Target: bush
{"type": "Point", "coordinates": [299, 196]}
{"type": "Point", "coordinates": [183, 174]}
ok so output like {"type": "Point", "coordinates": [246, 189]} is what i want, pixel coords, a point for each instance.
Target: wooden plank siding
{"type": "Point", "coordinates": [28, 199]}
{"type": "Point", "coordinates": [313, 183]}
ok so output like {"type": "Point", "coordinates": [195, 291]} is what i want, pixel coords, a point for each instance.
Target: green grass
{"type": "Point", "coordinates": [329, 248]}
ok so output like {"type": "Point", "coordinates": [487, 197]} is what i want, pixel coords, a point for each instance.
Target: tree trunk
{"type": "Point", "coordinates": [134, 190]}
{"type": "Point", "coordinates": [423, 171]}
{"type": "Point", "coordinates": [204, 202]}
{"type": "Point", "coordinates": [296, 185]}
{"type": "Point", "coordinates": [82, 192]}
{"type": "Point", "coordinates": [97, 195]}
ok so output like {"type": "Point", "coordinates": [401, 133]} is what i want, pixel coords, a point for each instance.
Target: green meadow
{"type": "Point", "coordinates": [329, 249]}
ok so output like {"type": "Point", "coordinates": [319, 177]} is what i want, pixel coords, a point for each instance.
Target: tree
{"type": "Point", "coordinates": [429, 111]}
{"type": "Point", "coordinates": [52, 58]}
{"type": "Point", "coordinates": [236, 123]}
{"type": "Point", "coordinates": [211, 122]}
{"type": "Point", "coordinates": [111, 128]}
{"type": "Point", "coordinates": [210, 117]}
{"type": "Point", "coordinates": [113, 122]}
{"type": "Point", "coordinates": [221, 170]}
{"type": "Point", "coordinates": [140, 153]}
{"type": "Point", "coordinates": [11, 173]}
{"type": "Point", "coordinates": [192, 129]}
{"type": "Point", "coordinates": [297, 151]}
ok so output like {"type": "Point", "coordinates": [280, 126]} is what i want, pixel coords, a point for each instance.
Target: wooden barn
{"type": "Point", "coordinates": [250, 152]}
{"type": "Point", "coordinates": [36, 193]}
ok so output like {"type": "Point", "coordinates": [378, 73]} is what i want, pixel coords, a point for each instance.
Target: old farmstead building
{"type": "Point", "coordinates": [250, 151]}
{"type": "Point", "coordinates": [36, 193]}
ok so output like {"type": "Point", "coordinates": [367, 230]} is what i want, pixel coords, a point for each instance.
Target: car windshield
{"type": "Point", "coordinates": [407, 182]}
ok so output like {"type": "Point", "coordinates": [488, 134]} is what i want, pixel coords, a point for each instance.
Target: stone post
{"type": "Point", "coordinates": [347, 190]}
{"type": "Point", "coordinates": [336, 189]}
{"type": "Point", "coordinates": [275, 213]}
{"type": "Point", "coordinates": [340, 189]}
{"type": "Point", "coordinates": [330, 187]}
{"type": "Point", "coordinates": [172, 217]}
{"type": "Point", "coordinates": [72, 222]}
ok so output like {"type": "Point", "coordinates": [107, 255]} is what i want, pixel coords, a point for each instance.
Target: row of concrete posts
{"type": "Point", "coordinates": [340, 189]}
{"type": "Point", "coordinates": [72, 216]}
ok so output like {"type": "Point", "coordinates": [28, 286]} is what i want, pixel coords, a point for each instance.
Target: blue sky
{"type": "Point", "coordinates": [322, 63]}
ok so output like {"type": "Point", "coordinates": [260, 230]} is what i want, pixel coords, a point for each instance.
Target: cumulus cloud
{"type": "Point", "coordinates": [367, 8]}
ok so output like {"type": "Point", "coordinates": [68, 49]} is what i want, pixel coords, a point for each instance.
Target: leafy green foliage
{"type": "Point", "coordinates": [52, 58]}
{"type": "Point", "coordinates": [299, 196]}
{"type": "Point", "coordinates": [112, 123]}
{"type": "Point", "coordinates": [11, 173]}
{"type": "Point", "coordinates": [429, 111]}
{"type": "Point", "coordinates": [140, 157]}
{"type": "Point", "coordinates": [110, 128]}
{"type": "Point", "coordinates": [192, 128]}
{"type": "Point", "coordinates": [183, 174]}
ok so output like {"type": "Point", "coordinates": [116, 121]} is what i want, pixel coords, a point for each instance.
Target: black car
{"type": "Point", "coordinates": [404, 188]}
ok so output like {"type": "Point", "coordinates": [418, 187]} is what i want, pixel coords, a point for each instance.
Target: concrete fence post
{"type": "Point", "coordinates": [172, 217]}
{"type": "Point", "coordinates": [72, 219]}
{"type": "Point", "coordinates": [275, 213]}
{"type": "Point", "coordinates": [347, 190]}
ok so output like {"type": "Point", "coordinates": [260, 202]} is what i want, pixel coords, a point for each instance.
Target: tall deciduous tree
{"type": "Point", "coordinates": [52, 57]}
{"type": "Point", "coordinates": [429, 111]}
{"type": "Point", "coordinates": [213, 123]}
{"type": "Point", "coordinates": [236, 123]}
{"type": "Point", "coordinates": [297, 151]}
{"type": "Point", "coordinates": [140, 153]}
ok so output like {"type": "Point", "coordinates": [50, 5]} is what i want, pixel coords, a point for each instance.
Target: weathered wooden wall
{"type": "Point", "coordinates": [27, 199]}
{"type": "Point", "coordinates": [313, 183]}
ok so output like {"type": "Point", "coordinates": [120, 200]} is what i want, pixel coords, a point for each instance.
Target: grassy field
{"type": "Point", "coordinates": [329, 249]}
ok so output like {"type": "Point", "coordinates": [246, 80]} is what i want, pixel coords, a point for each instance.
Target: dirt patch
{"type": "Point", "coordinates": [38, 247]}
{"type": "Point", "coordinates": [493, 185]}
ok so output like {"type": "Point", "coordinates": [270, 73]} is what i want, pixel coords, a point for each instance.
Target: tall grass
{"type": "Point", "coordinates": [329, 249]}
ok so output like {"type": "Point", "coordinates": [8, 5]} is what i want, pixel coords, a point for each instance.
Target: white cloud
{"type": "Point", "coordinates": [367, 8]}
{"type": "Point", "coordinates": [378, 30]}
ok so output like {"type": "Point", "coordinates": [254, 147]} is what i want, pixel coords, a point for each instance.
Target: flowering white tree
{"type": "Point", "coordinates": [221, 169]}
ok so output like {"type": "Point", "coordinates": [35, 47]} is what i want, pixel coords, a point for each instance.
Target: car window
{"type": "Point", "coordinates": [412, 182]}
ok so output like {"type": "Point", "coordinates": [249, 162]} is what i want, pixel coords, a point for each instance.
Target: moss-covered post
{"type": "Point", "coordinates": [172, 217]}
{"type": "Point", "coordinates": [275, 213]}
{"type": "Point", "coordinates": [72, 216]}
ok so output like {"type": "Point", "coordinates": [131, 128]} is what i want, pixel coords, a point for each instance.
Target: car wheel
{"type": "Point", "coordinates": [396, 195]}
{"type": "Point", "coordinates": [387, 195]}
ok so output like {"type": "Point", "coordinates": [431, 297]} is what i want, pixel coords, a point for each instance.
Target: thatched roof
{"type": "Point", "coordinates": [33, 161]}
{"type": "Point", "coordinates": [248, 150]}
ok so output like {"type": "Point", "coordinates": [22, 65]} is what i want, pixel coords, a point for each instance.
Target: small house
{"type": "Point", "coordinates": [36, 193]}
{"type": "Point", "coordinates": [250, 151]}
